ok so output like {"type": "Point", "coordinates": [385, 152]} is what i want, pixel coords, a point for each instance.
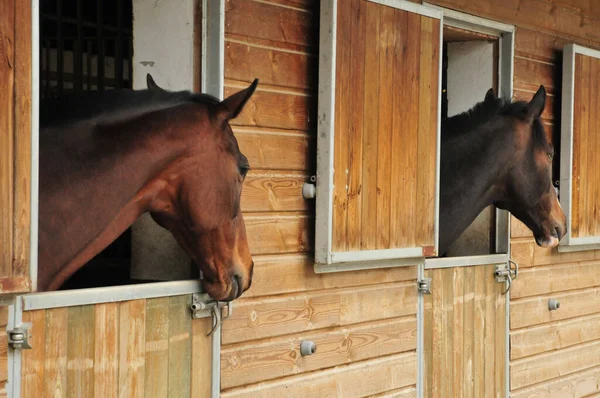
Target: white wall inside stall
{"type": "Point", "coordinates": [163, 45]}
{"type": "Point", "coordinates": [470, 75]}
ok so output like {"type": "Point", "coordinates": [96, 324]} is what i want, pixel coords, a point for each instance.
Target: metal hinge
{"type": "Point", "coordinates": [204, 306]}
{"type": "Point", "coordinates": [509, 274]}
{"type": "Point", "coordinates": [424, 285]}
{"type": "Point", "coordinates": [18, 338]}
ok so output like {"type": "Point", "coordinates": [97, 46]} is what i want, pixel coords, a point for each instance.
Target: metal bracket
{"type": "Point", "coordinates": [204, 306]}
{"type": "Point", "coordinates": [424, 285]}
{"type": "Point", "coordinates": [504, 274]}
{"type": "Point", "coordinates": [18, 338]}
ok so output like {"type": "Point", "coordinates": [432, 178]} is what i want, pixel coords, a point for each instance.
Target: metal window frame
{"type": "Point", "coordinates": [325, 259]}
{"type": "Point", "coordinates": [506, 55]}
{"type": "Point", "coordinates": [569, 243]}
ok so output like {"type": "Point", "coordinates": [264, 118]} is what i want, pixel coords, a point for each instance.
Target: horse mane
{"type": "Point", "coordinates": [484, 111]}
{"type": "Point", "coordinates": [109, 105]}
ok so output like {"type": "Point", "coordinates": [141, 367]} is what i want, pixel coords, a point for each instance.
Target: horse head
{"type": "Point", "coordinates": [528, 192]}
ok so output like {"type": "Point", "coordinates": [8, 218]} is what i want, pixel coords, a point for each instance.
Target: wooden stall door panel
{"type": "Point", "coordinates": [585, 203]}
{"type": "Point", "coordinates": [464, 333]}
{"type": "Point", "coordinates": [386, 122]}
{"type": "Point", "coordinates": [15, 145]}
{"type": "Point", "coordinates": [140, 348]}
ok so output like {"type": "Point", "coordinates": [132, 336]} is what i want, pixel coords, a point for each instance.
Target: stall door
{"type": "Point", "coordinates": [465, 334]}
{"type": "Point", "coordinates": [139, 348]}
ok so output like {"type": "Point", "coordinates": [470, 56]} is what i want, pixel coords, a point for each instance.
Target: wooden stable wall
{"type": "Point", "coordinates": [553, 353]}
{"type": "Point", "coordinates": [364, 323]}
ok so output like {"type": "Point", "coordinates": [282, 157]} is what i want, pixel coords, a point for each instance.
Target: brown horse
{"type": "Point", "coordinates": [108, 157]}
{"type": "Point", "coordinates": [498, 153]}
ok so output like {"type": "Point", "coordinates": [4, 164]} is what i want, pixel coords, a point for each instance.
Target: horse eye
{"type": "Point", "coordinates": [551, 156]}
{"type": "Point", "coordinates": [244, 171]}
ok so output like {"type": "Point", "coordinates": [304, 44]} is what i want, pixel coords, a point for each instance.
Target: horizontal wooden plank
{"type": "Point", "coordinates": [280, 274]}
{"type": "Point", "coordinates": [554, 336]}
{"type": "Point", "coordinates": [556, 278]}
{"type": "Point", "coordinates": [254, 362]}
{"type": "Point", "coordinates": [275, 109]}
{"type": "Point", "coordinates": [356, 380]}
{"type": "Point", "coordinates": [279, 233]}
{"type": "Point", "coordinates": [279, 150]}
{"type": "Point", "coordinates": [537, 45]}
{"type": "Point", "coordinates": [274, 191]}
{"type": "Point", "coordinates": [534, 311]}
{"type": "Point", "coordinates": [271, 22]}
{"type": "Point", "coordinates": [577, 385]}
{"type": "Point", "coordinates": [529, 74]}
{"type": "Point", "coordinates": [406, 392]}
{"type": "Point", "coordinates": [518, 229]}
{"type": "Point", "coordinates": [283, 315]}
{"type": "Point", "coordinates": [540, 368]}
{"type": "Point", "coordinates": [3, 355]}
{"type": "Point", "coordinates": [529, 254]}
{"type": "Point", "coordinates": [246, 61]}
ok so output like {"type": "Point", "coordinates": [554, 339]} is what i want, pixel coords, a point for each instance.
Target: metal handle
{"type": "Point", "coordinates": [507, 274]}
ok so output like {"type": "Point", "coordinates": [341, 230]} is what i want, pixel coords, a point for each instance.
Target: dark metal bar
{"type": "Point", "coordinates": [85, 24]}
{"type": "Point", "coordinates": [89, 64]}
{"type": "Point", "coordinates": [78, 60]}
{"type": "Point", "coordinates": [60, 48]}
{"type": "Point", "coordinates": [99, 27]}
{"type": "Point", "coordinates": [47, 77]}
{"type": "Point", "coordinates": [130, 71]}
{"type": "Point", "coordinates": [119, 46]}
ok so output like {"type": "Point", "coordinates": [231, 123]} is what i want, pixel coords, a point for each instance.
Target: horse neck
{"type": "Point", "coordinates": [473, 166]}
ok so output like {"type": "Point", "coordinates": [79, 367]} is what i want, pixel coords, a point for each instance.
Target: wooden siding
{"type": "Point", "coordinates": [385, 128]}
{"type": "Point", "coordinates": [464, 333]}
{"type": "Point", "coordinates": [364, 323]}
{"type": "Point", "coordinates": [15, 145]}
{"type": "Point", "coordinates": [585, 218]}
{"type": "Point", "coordinates": [139, 348]}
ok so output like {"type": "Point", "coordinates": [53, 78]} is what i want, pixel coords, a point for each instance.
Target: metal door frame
{"type": "Point", "coordinates": [506, 35]}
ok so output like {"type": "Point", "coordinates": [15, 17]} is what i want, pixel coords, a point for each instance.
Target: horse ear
{"type": "Point", "coordinates": [235, 103]}
{"type": "Point", "coordinates": [490, 96]}
{"type": "Point", "coordinates": [152, 86]}
{"type": "Point", "coordinates": [537, 104]}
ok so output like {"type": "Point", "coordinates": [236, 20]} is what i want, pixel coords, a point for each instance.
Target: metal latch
{"type": "Point", "coordinates": [424, 285]}
{"type": "Point", "coordinates": [203, 306]}
{"type": "Point", "coordinates": [507, 274]}
{"type": "Point", "coordinates": [18, 338]}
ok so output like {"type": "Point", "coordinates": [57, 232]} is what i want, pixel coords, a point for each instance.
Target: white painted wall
{"type": "Point", "coordinates": [470, 75]}
{"type": "Point", "coordinates": [163, 45]}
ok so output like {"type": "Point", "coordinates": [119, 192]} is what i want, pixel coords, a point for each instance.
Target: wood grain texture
{"type": "Point", "coordinates": [283, 315]}
{"type": "Point", "coordinates": [534, 311]}
{"type": "Point", "coordinates": [290, 273]}
{"type": "Point", "coordinates": [80, 351]}
{"type": "Point", "coordinates": [106, 350]}
{"type": "Point", "coordinates": [156, 377]}
{"type": "Point", "coordinates": [577, 385]}
{"type": "Point", "coordinates": [550, 365]}
{"type": "Point", "coordinates": [556, 278]}
{"type": "Point", "coordinates": [383, 374]}
{"type": "Point", "coordinates": [554, 336]}
{"type": "Point", "coordinates": [586, 117]}
{"type": "Point", "coordinates": [55, 361]}
{"type": "Point", "coordinates": [274, 191]}
{"type": "Point", "coordinates": [250, 363]}
{"type": "Point", "coordinates": [386, 110]}
{"type": "Point", "coordinates": [132, 318]}
{"type": "Point", "coordinates": [7, 127]}
{"type": "Point", "coordinates": [201, 358]}
{"type": "Point", "coordinates": [22, 140]}
{"type": "Point", "coordinates": [464, 333]}
{"type": "Point", "coordinates": [279, 233]}
{"type": "Point", "coordinates": [180, 333]}
{"type": "Point", "coordinates": [32, 368]}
